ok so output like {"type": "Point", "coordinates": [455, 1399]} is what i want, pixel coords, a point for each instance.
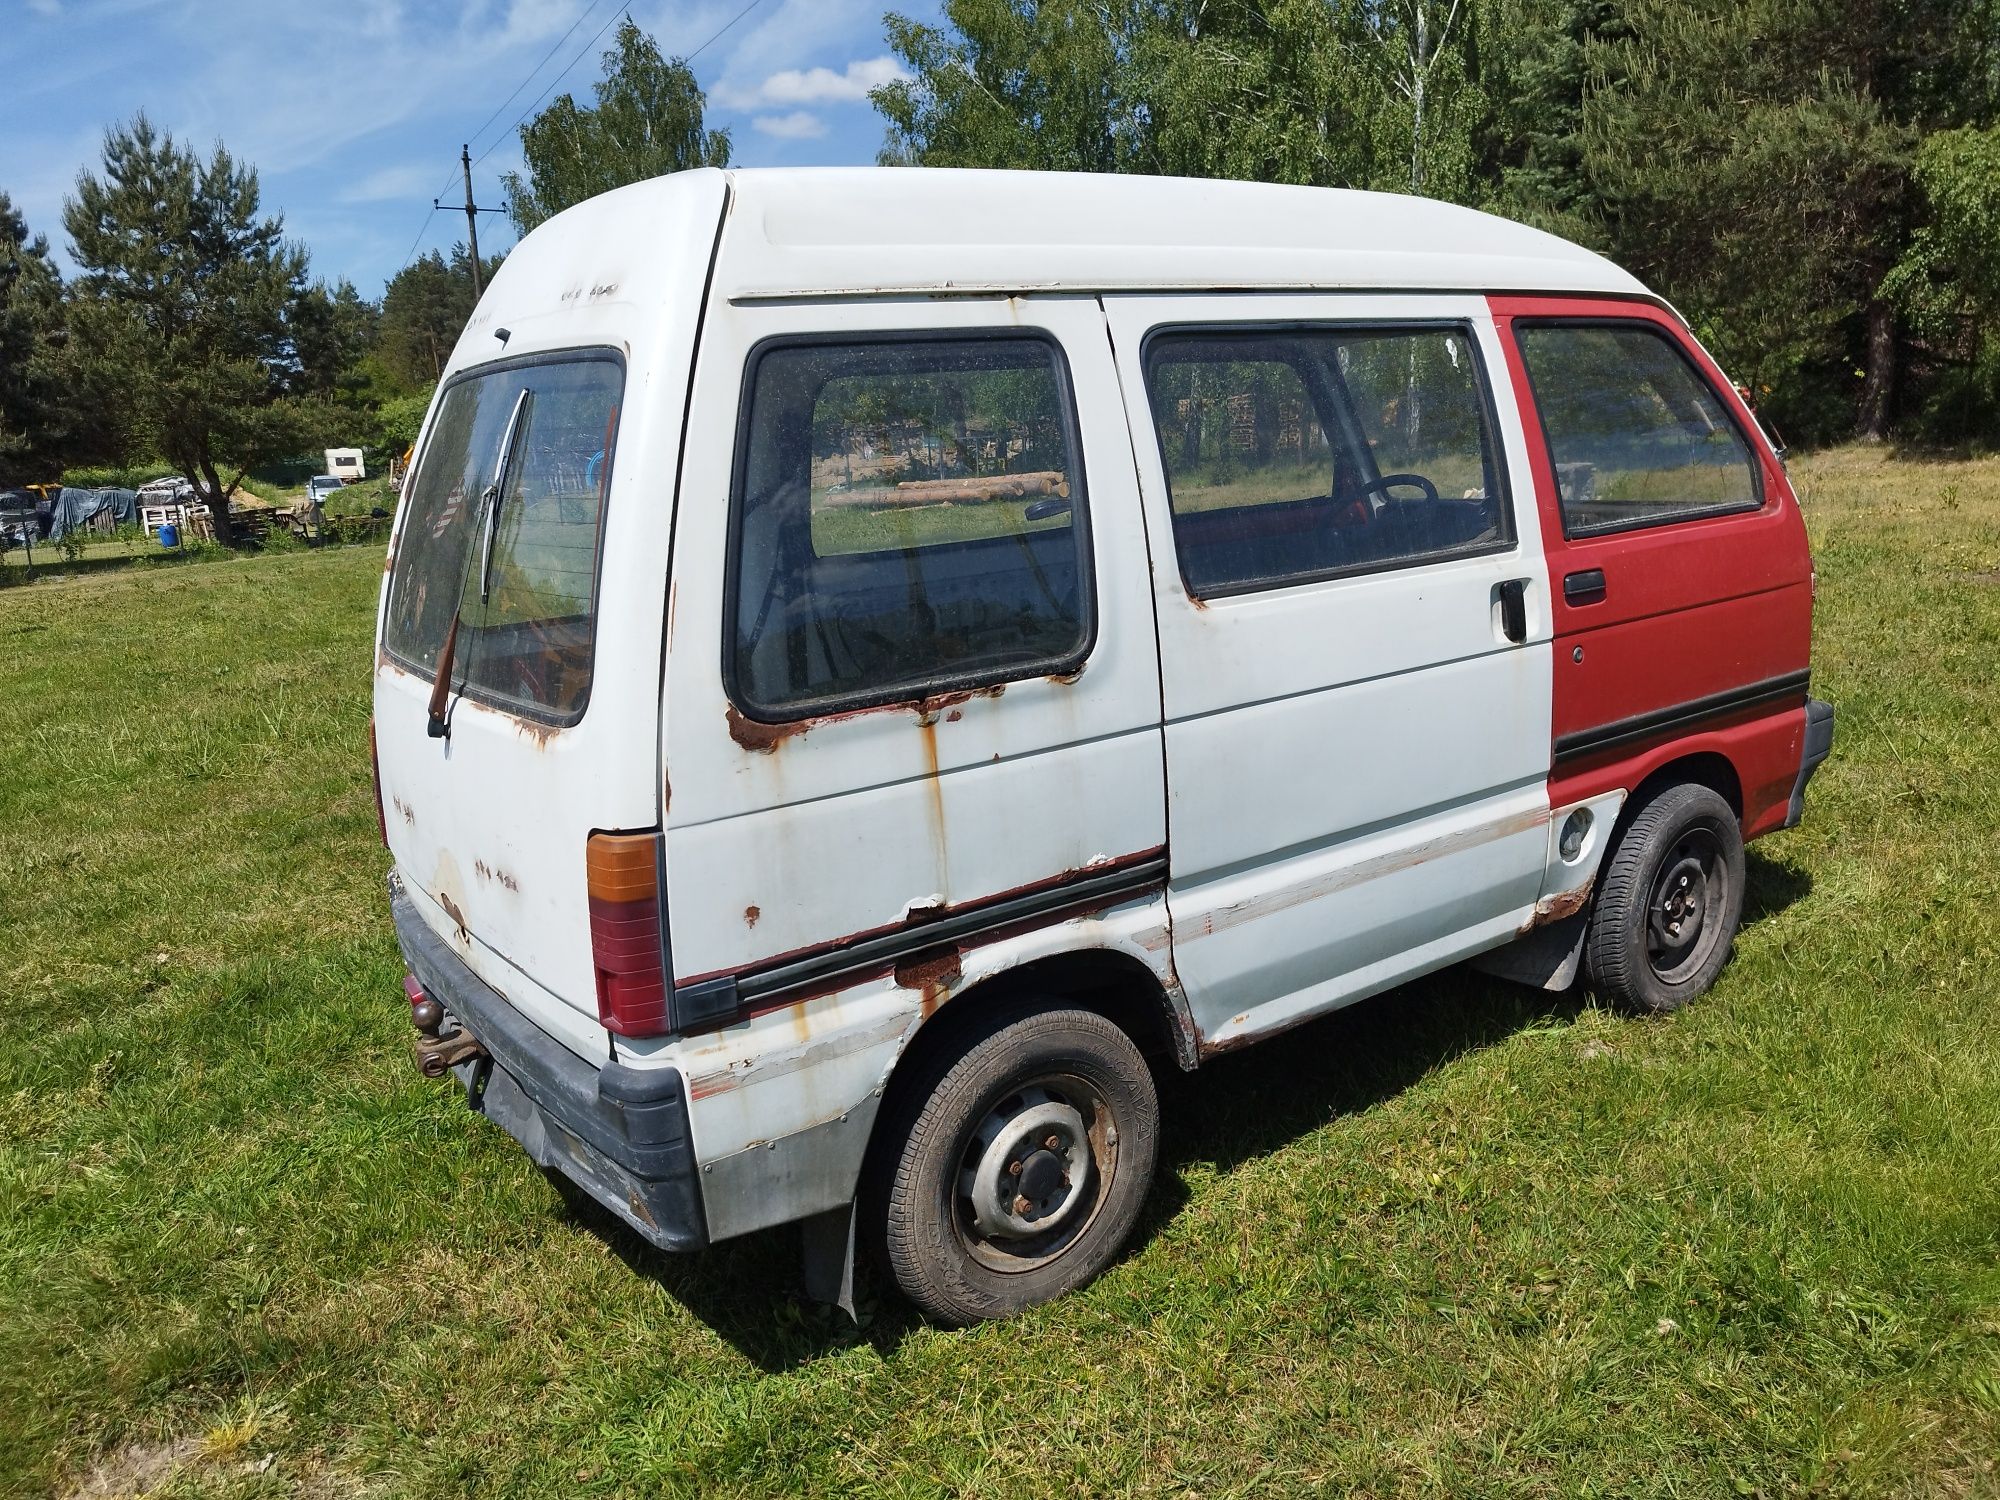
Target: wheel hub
{"type": "Point", "coordinates": [1681, 903]}
{"type": "Point", "coordinates": [1033, 1166]}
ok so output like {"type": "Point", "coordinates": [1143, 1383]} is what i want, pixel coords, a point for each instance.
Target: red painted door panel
{"type": "Point", "coordinates": [1697, 634]}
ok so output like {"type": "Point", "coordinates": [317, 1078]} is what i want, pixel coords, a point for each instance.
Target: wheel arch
{"type": "Point", "coordinates": [1118, 985]}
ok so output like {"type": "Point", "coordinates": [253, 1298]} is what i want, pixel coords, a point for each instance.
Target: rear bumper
{"type": "Point", "coordinates": [1819, 743]}
{"type": "Point", "coordinates": [621, 1134]}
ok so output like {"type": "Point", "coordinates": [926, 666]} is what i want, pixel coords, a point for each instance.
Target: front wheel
{"type": "Point", "coordinates": [1023, 1169]}
{"type": "Point", "coordinates": [1669, 901]}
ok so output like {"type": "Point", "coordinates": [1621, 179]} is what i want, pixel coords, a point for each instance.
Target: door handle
{"type": "Point", "coordinates": [1586, 587]}
{"type": "Point", "coordinates": [1513, 596]}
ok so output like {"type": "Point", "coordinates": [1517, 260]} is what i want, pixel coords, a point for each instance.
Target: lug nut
{"type": "Point", "coordinates": [1013, 1169]}
{"type": "Point", "coordinates": [1054, 1143]}
{"type": "Point", "coordinates": [1022, 1205]}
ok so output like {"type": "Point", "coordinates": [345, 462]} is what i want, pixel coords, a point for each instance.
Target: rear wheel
{"type": "Point", "coordinates": [1022, 1168]}
{"type": "Point", "coordinates": [1669, 901]}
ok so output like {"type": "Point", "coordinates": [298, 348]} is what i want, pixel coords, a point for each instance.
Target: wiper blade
{"type": "Point", "coordinates": [438, 725]}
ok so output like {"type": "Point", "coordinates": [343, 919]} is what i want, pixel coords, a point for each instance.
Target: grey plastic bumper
{"type": "Point", "coordinates": [1819, 744]}
{"type": "Point", "coordinates": [619, 1133]}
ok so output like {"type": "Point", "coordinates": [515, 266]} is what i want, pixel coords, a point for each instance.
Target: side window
{"type": "Point", "coordinates": [1301, 453]}
{"type": "Point", "coordinates": [1636, 434]}
{"type": "Point", "coordinates": [909, 517]}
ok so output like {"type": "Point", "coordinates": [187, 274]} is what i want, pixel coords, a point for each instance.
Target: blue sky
{"type": "Point", "coordinates": [353, 110]}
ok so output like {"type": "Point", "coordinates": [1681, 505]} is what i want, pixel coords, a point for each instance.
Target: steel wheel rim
{"type": "Point", "coordinates": [1685, 906]}
{"type": "Point", "coordinates": [1014, 1131]}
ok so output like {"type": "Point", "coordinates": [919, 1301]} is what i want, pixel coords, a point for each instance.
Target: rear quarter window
{"type": "Point", "coordinates": [527, 645]}
{"type": "Point", "coordinates": [909, 517]}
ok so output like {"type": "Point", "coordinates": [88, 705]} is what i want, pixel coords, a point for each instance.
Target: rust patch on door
{"type": "Point", "coordinates": [763, 738]}
{"type": "Point", "coordinates": [458, 917]}
{"type": "Point", "coordinates": [404, 811]}
{"type": "Point", "coordinates": [751, 914]}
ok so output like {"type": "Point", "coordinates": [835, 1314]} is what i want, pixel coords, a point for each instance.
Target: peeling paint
{"type": "Point", "coordinates": [1264, 903]}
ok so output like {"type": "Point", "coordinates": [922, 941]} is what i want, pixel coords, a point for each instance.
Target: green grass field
{"type": "Point", "coordinates": [1459, 1239]}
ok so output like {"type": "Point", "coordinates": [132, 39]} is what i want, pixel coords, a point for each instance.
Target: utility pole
{"type": "Point", "coordinates": [472, 213]}
{"type": "Point", "coordinates": [471, 218]}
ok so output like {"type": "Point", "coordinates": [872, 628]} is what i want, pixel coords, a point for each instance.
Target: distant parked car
{"type": "Point", "coordinates": [320, 486]}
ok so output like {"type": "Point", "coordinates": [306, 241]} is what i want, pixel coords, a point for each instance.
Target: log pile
{"type": "Point", "coordinates": [915, 492]}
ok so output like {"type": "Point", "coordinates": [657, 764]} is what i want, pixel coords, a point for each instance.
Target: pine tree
{"type": "Point", "coordinates": [186, 308]}
{"type": "Point", "coordinates": [32, 419]}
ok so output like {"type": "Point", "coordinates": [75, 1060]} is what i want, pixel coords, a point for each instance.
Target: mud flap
{"type": "Point", "coordinates": [829, 1257]}
{"type": "Point", "coordinates": [1546, 957]}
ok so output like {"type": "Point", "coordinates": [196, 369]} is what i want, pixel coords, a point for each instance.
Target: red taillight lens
{"type": "Point", "coordinates": [375, 770]}
{"type": "Point", "coordinates": [625, 932]}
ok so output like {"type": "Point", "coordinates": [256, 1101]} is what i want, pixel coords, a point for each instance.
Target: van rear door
{"type": "Point", "coordinates": [572, 377]}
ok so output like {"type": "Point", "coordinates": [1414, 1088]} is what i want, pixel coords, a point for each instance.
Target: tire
{"type": "Point", "coordinates": [1668, 903]}
{"type": "Point", "coordinates": [1062, 1095]}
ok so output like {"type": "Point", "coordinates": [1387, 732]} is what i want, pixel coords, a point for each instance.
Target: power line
{"type": "Point", "coordinates": [495, 146]}
{"type": "Point", "coordinates": [713, 39]}
{"type": "Point", "coordinates": [585, 16]}
{"type": "Point", "coordinates": [410, 254]}
{"type": "Point", "coordinates": [725, 26]}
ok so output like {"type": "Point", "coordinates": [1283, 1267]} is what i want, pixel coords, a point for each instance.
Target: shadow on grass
{"type": "Point", "coordinates": [1238, 1108]}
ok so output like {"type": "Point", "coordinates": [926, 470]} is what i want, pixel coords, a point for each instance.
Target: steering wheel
{"type": "Point", "coordinates": [1382, 484]}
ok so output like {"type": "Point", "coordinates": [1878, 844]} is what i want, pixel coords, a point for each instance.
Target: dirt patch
{"type": "Point", "coordinates": [134, 1469]}
{"type": "Point", "coordinates": [1990, 577]}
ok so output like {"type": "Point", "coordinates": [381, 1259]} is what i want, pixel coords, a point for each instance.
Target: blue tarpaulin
{"type": "Point", "coordinates": [75, 507]}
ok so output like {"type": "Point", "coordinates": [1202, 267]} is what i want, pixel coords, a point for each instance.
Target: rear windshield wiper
{"type": "Point", "coordinates": [439, 725]}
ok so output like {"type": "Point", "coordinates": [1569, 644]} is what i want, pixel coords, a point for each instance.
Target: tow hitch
{"type": "Point", "coordinates": [437, 1054]}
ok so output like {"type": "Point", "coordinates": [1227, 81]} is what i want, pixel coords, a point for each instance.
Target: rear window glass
{"type": "Point", "coordinates": [527, 644]}
{"type": "Point", "coordinates": [1636, 435]}
{"type": "Point", "coordinates": [909, 518]}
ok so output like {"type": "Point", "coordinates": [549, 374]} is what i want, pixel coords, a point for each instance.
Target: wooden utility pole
{"type": "Point", "coordinates": [471, 218]}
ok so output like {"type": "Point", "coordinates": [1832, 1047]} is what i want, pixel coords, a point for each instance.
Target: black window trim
{"type": "Point", "coordinates": [602, 353]}
{"type": "Point", "coordinates": [1496, 446]}
{"type": "Point", "coordinates": [909, 694]}
{"type": "Point", "coordinates": [1645, 523]}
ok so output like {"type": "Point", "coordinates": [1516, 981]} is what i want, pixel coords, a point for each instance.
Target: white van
{"type": "Point", "coordinates": [874, 664]}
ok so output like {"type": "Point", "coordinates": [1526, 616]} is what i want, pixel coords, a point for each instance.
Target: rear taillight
{"type": "Point", "coordinates": [375, 770]}
{"type": "Point", "coordinates": [627, 936]}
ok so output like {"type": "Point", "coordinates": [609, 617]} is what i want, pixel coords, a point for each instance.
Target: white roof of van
{"type": "Point", "coordinates": [847, 230]}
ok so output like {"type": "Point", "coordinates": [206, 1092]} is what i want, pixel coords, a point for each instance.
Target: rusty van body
{"type": "Point", "coordinates": [873, 665]}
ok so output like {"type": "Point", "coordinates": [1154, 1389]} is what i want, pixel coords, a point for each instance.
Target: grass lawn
{"type": "Point", "coordinates": [1461, 1238]}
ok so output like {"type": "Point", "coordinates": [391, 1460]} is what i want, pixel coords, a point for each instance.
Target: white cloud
{"type": "Point", "coordinates": [796, 126]}
{"type": "Point", "coordinates": [406, 181]}
{"type": "Point", "coordinates": [813, 85]}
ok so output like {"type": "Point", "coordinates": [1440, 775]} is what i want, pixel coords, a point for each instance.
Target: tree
{"type": "Point", "coordinates": [187, 308]}
{"type": "Point", "coordinates": [1352, 93]}
{"type": "Point", "coordinates": [1946, 287]}
{"type": "Point", "coordinates": [31, 411]}
{"type": "Point", "coordinates": [424, 309]}
{"type": "Point", "coordinates": [1752, 159]}
{"type": "Point", "coordinates": [647, 122]}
